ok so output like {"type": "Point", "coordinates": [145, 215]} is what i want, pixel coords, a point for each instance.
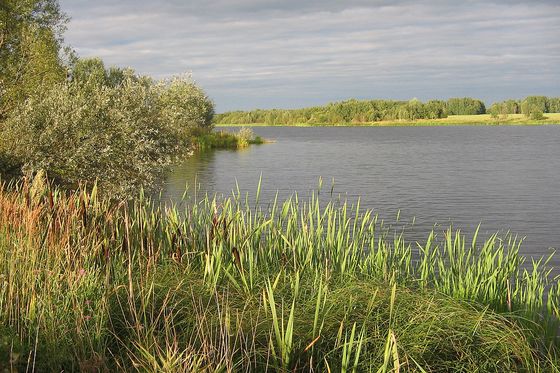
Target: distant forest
{"type": "Point", "coordinates": [363, 111]}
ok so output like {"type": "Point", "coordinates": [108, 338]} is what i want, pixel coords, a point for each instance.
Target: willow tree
{"type": "Point", "coordinates": [30, 49]}
{"type": "Point", "coordinates": [109, 126]}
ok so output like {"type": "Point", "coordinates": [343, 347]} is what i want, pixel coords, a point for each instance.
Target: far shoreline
{"type": "Point", "coordinates": [452, 120]}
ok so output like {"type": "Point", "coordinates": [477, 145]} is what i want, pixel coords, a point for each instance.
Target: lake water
{"type": "Point", "coordinates": [506, 178]}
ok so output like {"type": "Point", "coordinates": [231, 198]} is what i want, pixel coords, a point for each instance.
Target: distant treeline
{"type": "Point", "coordinates": [363, 111]}
{"type": "Point", "coordinates": [529, 106]}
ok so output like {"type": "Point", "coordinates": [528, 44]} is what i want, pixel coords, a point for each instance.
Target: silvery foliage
{"type": "Point", "coordinates": [183, 105]}
{"type": "Point", "coordinates": [120, 136]}
{"type": "Point", "coordinates": [244, 136]}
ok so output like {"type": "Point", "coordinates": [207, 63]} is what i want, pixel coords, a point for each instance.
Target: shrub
{"type": "Point", "coordinates": [184, 106]}
{"type": "Point", "coordinates": [536, 114]}
{"type": "Point", "coordinates": [244, 137]}
{"type": "Point", "coordinates": [119, 129]}
{"type": "Point", "coordinates": [257, 140]}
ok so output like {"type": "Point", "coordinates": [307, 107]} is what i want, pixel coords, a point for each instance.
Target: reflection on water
{"type": "Point", "coordinates": [507, 178]}
{"type": "Point", "coordinates": [187, 173]}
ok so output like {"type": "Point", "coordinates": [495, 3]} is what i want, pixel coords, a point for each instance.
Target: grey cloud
{"type": "Point", "coordinates": [278, 53]}
{"type": "Point", "coordinates": [231, 8]}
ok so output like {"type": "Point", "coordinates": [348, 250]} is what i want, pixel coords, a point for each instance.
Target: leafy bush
{"type": "Point", "coordinates": [245, 136]}
{"type": "Point", "coordinates": [31, 49]}
{"type": "Point", "coordinates": [184, 106]}
{"type": "Point", "coordinates": [258, 140]}
{"type": "Point", "coordinates": [121, 132]}
{"type": "Point", "coordinates": [536, 114]}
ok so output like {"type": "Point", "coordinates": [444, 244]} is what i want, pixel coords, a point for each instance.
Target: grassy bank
{"type": "Point", "coordinates": [227, 140]}
{"type": "Point", "coordinates": [92, 285]}
{"type": "Point", "coordinates": [481, 119]}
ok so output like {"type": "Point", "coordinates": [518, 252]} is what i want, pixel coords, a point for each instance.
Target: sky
{"type": "Point", "coordinates": [249, 54]}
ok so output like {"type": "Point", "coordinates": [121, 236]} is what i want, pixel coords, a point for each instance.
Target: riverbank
{"type": "Point", "coordinates": [90, 285]}
{"type": "Point", "coordinates": [452, 120]}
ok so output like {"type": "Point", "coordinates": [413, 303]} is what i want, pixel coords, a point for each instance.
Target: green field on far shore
{"type": "Point", "coordinates": [481, 119]}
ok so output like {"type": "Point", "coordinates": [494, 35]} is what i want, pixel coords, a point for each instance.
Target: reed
{"type": "Point", "coordinates": [208, 140]}
{"type": "Point", "coordinates": [226, 284]}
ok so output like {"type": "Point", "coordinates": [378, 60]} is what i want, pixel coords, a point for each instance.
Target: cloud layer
{"type": "Point", "coordinates": [248, 54]}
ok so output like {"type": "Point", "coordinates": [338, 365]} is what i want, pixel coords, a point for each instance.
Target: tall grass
{"type": "Point", "coordinates": [221, 285]}
{"type": "Point", "coordinates": [227, 140]}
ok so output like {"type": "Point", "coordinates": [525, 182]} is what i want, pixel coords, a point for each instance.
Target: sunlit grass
{"type": "Point", "coordinates": [221, 285]}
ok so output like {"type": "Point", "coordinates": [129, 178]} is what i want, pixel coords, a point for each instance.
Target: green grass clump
{"type": "Point", "coordinates": [221, 285]}
{"type": "Point", "coordinates": [216, 140]}
{"type": "Point", "coordinates": [227, 140]}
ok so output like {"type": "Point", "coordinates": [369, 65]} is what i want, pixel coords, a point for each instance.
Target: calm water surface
{"type": "Point", "coordinates": [507, 178]}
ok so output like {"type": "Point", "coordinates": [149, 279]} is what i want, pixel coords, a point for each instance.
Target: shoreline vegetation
{"type": "Point", "coordinates": [221, 285]}
{"type": "Point", "coordinates": [226, 140]}
{"type": "Point", "coordinates": [105, 125]}
{"type": "Point", "coordinates": [465, 110]}
{"type": "Point", "coordinates": [451, 120]}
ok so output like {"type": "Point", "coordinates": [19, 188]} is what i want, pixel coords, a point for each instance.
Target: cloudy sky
{"type": "Point", "coordinates": [289, 53]}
